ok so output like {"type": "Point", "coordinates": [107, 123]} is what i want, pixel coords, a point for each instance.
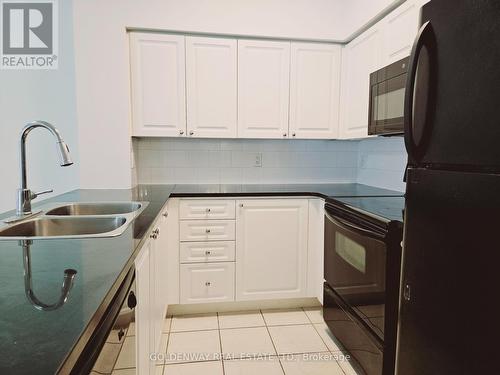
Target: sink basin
{"type": "Point", "coordinates": [104, 208]}
{"type": "Point", "coordinates": [44, 227]}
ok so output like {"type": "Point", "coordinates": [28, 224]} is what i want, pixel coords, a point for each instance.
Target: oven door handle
{"type": "Point", "coordinates": [351, 227]}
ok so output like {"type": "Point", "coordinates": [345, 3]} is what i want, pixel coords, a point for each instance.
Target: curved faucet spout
{"type": "Point", "coordinates": [67, 284]}
{"type": "Point", "coordinates": [24, 194]}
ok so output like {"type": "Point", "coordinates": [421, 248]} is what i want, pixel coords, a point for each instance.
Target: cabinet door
{"type": "Point", "coordinates": [213, 282]}
{"type": "Point", "coordinates": [399, 31]}
{"type": "Point", "coordinates": [263, 88]}
{"type": "Point", "coordinates": [211, 65]}
{"type": "Point", "coordinates": [157, 63]}
{"type": "Point", "coordinates": [359, 58]}
{"type": "Point", "coordinates": [314, 90]}
{"type": "Point", "coordinates": [144, 344]}
{"type": "Point", "coordinates": [271, 248]}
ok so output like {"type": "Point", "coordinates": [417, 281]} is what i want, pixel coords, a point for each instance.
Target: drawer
{"type": "Point", "coordinates": [207, 209]}
{"type": "Point", "coordinates": [212, 282]}
{"type": "Point", "coordinates": [215, 251]}
{"type": "Point", "coordinates": [207, 230]}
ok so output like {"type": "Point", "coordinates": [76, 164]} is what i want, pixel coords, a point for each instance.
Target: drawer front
{"type": "Point", "coordinates": [215, 251]}
{"type": "Point", "coordinates": [207, 230]}
{"type": "Point", "coordinates": [207, 209]}
{"type": "Point", "coordinates": [213, 282]}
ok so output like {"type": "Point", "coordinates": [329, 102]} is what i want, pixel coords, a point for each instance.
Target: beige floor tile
{"type": "Point", "coordinates": [107, 358]}
{"type": "Point", "coordinates": [193, 346]}
{"type": "Point", "coordinates": [242, 342]}
{"type": "Point", "coordinates": [128, 371]}
{"type": "Point", "coordinates": [315, 314]}
{"type": "Point", "coordinates": [311, 364]}
{"type": "Point", "coordinates": [285, 317]}
{"type": "Point", "coordinates": [264, 366]}
{"type": "Point", "coordinates": [349, 365]}
{"type": "Point", "coordinates": [131, 329]}
{"type": "Point", "coordinates": [297, 339]}
{"type": "Point", "coordinates": [333, 344]}
{"type": "Point", "coordinates": [241, 319]}
{"type": "Point", "coordinates": [199, 368]}
{"type": "Point", "coordinates": [166, 325]}
{"type": "Point", "coordinates": [159, 370]}
{"type": "Point", "coordinates": [127, 354]}
{"type": "Point", "coordinates": [195, 322]}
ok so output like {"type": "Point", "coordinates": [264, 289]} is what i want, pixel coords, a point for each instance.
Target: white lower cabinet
{"type": "Point", "coordinates": [271, 248]}
{"type": "Point", "coordinates": [199, 252]}
{"type": "Point", "coordinates": [212, 282]}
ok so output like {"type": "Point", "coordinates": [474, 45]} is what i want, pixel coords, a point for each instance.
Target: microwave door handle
{"type": "Point", "coordinates": [351, 227]}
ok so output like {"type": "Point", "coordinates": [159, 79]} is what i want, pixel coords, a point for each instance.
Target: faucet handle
{"type": "Point", "coordinates": [34, 195]}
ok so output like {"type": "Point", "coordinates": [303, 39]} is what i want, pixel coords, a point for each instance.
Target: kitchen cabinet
{"type": "Point", "coordinates": [399, 31]}
{"type": "Point", "coordinates": [271, 248]}
{"type": "Point", "coordinates": [359, 58]}
{"type": "Point", "coordinates": [314, 90]}
{"type": "Point", "coordinates": [263, 88]}
{"type": "Point", "coordinates": [211, 66]}
{"type": "Point", "coordinates": [207, 282]}
{"type": "Point", "coordinates": [157, 63]}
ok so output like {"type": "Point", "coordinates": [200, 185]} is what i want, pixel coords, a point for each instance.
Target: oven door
{"type": "Point", "coordinates": [355, 260]}
{"type": "Point", "coordinates": [387, 106]}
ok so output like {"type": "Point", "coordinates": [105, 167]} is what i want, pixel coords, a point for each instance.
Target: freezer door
{"type": "Point", "coordinates": [449, 309]}
{"type": "Point", "coordinates": [452, 101]}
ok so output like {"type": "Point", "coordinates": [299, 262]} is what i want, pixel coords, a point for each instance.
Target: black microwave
{"type": "Point", "coordinates": [387, 93]}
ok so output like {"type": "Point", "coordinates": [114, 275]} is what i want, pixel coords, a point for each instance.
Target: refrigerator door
{"type": "Point", "coordinates": [449, 307]}
{"type": "Point", "coordinates": [452, 102]}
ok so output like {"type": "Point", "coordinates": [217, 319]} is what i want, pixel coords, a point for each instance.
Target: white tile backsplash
{"type": "Point", "coordinates": [378, 161]}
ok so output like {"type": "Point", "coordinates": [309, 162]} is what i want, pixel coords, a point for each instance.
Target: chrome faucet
{"type": "Point", "coordinates": [25, 195]}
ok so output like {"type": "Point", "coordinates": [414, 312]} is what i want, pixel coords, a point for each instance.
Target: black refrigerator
{"type": "Point", "coordinates": [450, 284]}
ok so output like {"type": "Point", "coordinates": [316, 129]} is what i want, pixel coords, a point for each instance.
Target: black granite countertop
{"type": "Point", "coordinates": [37, 342]}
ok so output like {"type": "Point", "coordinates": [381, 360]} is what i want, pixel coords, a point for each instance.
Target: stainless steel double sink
{"type": "Point", "coordinates": [75, 220]}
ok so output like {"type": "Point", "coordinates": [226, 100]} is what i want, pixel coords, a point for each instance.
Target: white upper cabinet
{"type": "Point", "coordinates": [263, 88]}
{"type": "Point", "coordinates": [314, 90]}
{"type": "Point", "coordinates": [157, 64]}
{"type": "Point", "coordinates": [359, 58]}
{"type": "Point", "coordinates": [211, 66]}
{"type": "Point", "coordinates": [399, 31]}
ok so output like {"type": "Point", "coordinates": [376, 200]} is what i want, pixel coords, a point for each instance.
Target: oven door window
{"type": "Point", "coordinates": [355, 263]}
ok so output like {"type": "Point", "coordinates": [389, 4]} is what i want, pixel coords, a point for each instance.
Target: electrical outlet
{"type": "Point", "coordinates": [258, 160]}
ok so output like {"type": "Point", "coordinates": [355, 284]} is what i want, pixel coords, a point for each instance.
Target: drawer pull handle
{"type": "Point", "coordinates": [208, 252]}
{"type": "Point", "coordinates": [208, 210]}
{"type": "Point", "coordinates": [207, 230]}
{"type": "Point", "coordinates": [208, 283]}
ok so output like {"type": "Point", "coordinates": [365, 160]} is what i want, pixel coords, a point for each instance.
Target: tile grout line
{"type": "Point", "coordinates": [272, 342]}
{"type": "Point", "coordinates": [324, 342]}
{"type": "Point", "coordinates": [220, 343]}
{"type": "Point", "coordinates": [168, 341]}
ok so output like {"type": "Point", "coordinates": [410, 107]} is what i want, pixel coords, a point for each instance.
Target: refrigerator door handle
{"type": "Point", "coordinates": [424, 37]}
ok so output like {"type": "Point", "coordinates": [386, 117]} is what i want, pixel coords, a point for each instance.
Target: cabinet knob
{"type": "Point", "coordinates": [165, 214]}
{"type": "Point", "coordinates": [207, 230]}
{"type": "Point", "coordinates": [191, 132]}
{"type": "Point", "coordinates": [241, 204]}
{"type": "Point", "coordinates": [181, 132]}
{"type": "Point", "coordinates": [154, 236]}
{"type": "Point", "coordinates": [293, 134]}
{"type": "Point", "coordinates": [208, 252]}
{"type": "Point", "coordinates": [208, 283]}
{"type": "Point", "coordinates": [284, 134]}
{"type": "Point", "coordinates": [208, 210]}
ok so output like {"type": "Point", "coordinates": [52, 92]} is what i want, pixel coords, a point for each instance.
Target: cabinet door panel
{"type": "Point", "coordinates": [157, 64]}
{"type": "Point", "coordinates": [207, 209]}
{"type": "Point", "coordinates": [214, 251]}
{"type": "Point", "coordinates": [144, 344]}
{"type": "Point", "coordinates": [271, 248]}
{"type": "Point", "coordinates": [359, 58]}
{"type": "Point", "coordinates": [400, 29]}
{"type": "Point", "coordinates": [314, 90]}
{"type": "Point", "coordinates": [263, 88]}
{"type": "Point", "coordinates": [212, 282]}
{"type": "Point", "coordinates": [211, 65]}
{"type": "Point", "coordinates": [207, 230]}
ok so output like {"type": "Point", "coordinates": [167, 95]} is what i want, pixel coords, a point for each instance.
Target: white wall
{"type": "Point", "coordinates": [382, 162]}
{"type": "Point", "coordinates": [102, 67]}
{"type": "Point", "coordinates": [188, 161]}
{"type": "Point", "coordinates": [27, 95]}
